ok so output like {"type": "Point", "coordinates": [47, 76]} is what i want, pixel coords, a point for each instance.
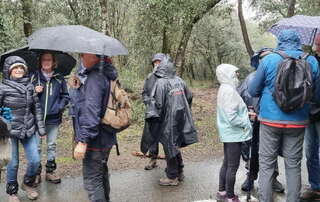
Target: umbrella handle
{"type": "Point", "coordinates": [102, 60]}
{"type": "Point", "coordinates": [39, 79]}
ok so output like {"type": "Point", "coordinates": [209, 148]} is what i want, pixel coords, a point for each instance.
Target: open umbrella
{"type": "Point", "coordinates": [306, 26]}
{"type": "Point", "coordinates": [76, 38]}
{"type": "Point", "coordinates": [65, 62]}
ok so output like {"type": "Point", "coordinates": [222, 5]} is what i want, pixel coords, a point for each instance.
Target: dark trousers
{"type": "Point", "coordinates": [230, 165]}
{"type": "Point", "coordinates": [154, 151]}
{"type": "Point", "coordinates": [174, 166]}
{"type": "Point", "coordinates": [96, 176]}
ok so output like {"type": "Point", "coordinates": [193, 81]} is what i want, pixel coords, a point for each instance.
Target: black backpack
{"type": "Point", "coordinates": [293, 83]}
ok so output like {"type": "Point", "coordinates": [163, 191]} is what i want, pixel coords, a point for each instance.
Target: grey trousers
{"type": "Point", "coordinates": [289, 141]}
{"type": "Point", "coordinates": [96, 175]}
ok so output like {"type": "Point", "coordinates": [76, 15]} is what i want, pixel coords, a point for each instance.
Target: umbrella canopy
{"type": "Point", "coordinates": [306, 26]}
{"type": "Point", "coordinates": [76, 38]}
{"type": "Point", "coordinates": [65, 62]}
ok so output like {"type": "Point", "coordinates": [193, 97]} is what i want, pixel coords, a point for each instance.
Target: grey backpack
{"type": "Point", "coordinates": [293, 83]}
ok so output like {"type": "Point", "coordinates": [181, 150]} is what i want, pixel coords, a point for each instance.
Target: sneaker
{"type": "Point", "coordinates": [13, 198]}
{"type": "Point", "coordinates": [221, 197]}
{"type": "Point", "coordinates": [32, 194]}
{"type": "Point", "coordinates": [169, 182]}
{"type": "Point", "coordinates": [37, 180]}
{"type": "Point", "coordinates": [310, 195]}
{"type": "Point", "coordinates": [151, 165]}
{"type": "Point", "coordinates": [277, 186]}
{"type": "Point", "coordinates": [53, 178]}
{"type": "Point", "coordinates": [247, 185]}
{"type": "Point", "coordinates": [234, 199]}
{"type": "Point", "coordinates": [181, 177]}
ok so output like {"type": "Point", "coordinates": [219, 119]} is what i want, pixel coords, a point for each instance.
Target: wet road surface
{"type": "Point", "coordinates": [201, 184]}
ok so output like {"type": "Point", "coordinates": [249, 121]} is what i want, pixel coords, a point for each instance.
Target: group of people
{"type": "Point", "coordinates": [252, 116]}
{"type": "Point", "coordinates": [248, 116]}
{"type": "Point", "coordinates": [36, 103]}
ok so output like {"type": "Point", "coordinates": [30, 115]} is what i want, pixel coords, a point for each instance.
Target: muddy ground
{"type": "Point", "coordinates": [203, 110]}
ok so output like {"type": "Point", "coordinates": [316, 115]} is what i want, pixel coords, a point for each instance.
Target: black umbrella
{"type": "Point", "coordinates": [76, 38]}
{"type": "Point", "coordinates": [65, 62]}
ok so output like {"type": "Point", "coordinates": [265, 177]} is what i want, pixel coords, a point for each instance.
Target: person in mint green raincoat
{"type": "Point", "coordinates": [233, 126]}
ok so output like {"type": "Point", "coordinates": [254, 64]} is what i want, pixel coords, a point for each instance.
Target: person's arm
{"type": "Point", "coordinates": [145, 90]}
{"type": "Point", "coordinates": [255, 87]}
{"type": "Point", "coordinates": [64, 94]}
{"type": "Point", "coordinates": [159, 99]}
{"type": "Point", "coordinates": [38, 115]}
{"type": "Point", "coordinates": [316, 78]}
{"type": "Point", "coordinates": [230, 105]}
{"type": "Point", "coordinates": [91, 112]}
{"type": "Point", "coordinates": [188, 94]}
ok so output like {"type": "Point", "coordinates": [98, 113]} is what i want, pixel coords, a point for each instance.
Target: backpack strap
{"type": "Point", "coordinates": [265, 53]}
{"type": "Point", "coordinates": [304, 56]}
{"type": "Point", "coordinates": [113, 84]}
{"type": "Point", "coordinates": [282, 54]}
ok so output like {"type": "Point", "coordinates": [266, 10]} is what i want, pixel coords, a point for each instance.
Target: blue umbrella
{"type": "Point", "coordinates": [306, 26]}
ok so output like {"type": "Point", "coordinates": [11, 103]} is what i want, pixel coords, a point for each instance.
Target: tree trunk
{"type": "Point", "coordinates": [26, 11]}
{"type": "Point", "coordinates": [291, 8]}
{"type": "Point", "coordinates": [75, 10]}
{"type": "Point", "coordinates": [104, 15]}
{"type": "Point", "coordinates": [244, 30]}
{"type": "Point", "coordinates": [186, 33]}
{"type": "Point", "coordinates": [165, 41]}
{"type": "Point", "coordinates": [181, 52]}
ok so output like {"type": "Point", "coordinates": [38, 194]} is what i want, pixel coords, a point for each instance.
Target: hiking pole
{"type": "Point", "coordinates": [252, 121]}
{"type": "Point", "coordinates": [249, 173]}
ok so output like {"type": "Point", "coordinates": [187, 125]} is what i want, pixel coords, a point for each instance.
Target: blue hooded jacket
{"type": "Point", "coordinates": [263, 83]}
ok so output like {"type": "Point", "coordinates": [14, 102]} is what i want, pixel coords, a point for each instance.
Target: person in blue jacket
{"type": "Point", "coordinates": [280, 131]}
{"type": "Point", "coordinates": [53, 95]}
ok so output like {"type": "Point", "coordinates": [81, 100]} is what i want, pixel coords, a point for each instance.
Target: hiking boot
{"type": "Point", "coordinates": [169, 182]}
{"type": "Point", "coordinates": [277, 186]}
{"type": "Point", "coordinates": [32, 194]}
{"type": "Point", "coordinates": [151, 165]}
{"type": "Point", "coordinates": [13, 198]}
{"type": "Point", "coordinates": [38, 180]}
{"type": "Point", "coordinates": [247, 185]}
{"type": "Point", "coordinates": [53, 178]}
{"type": "Point", "coordinates": [310, 195]}
{"type": "Point", "coordinates": [221, 197]}
{"type": "Point", "coordinates": [181, 177]}
{"type": "Point", "coordinates": [233, 199]}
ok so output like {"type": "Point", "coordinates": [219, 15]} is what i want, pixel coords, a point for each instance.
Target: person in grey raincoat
{"type": "Point", "coordinates": [147, 91]}
{"type": "Point", "coordinates": [175, 127]}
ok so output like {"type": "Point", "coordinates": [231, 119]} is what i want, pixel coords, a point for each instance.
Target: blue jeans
{"type": "Point", "coordinates": [32, 154]}
{"type": "Point", "coordinates": [52, 132]}
{"type": "Point", "coordinates": [312, 139]}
